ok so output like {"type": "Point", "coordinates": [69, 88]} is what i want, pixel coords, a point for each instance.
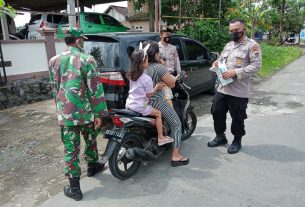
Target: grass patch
{"type": "Point", "coordinates": [276, 57]}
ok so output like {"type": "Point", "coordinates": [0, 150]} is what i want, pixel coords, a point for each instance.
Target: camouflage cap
{"type": "Point", "coordinates": [74, 32]}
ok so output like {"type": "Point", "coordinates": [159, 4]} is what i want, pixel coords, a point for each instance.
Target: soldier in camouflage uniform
{"type": "Point", "coordinates": [80, 103]}
{"type": "Point", "coordinates": [243, 57]}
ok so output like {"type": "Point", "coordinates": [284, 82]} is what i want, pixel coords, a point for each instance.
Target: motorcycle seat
{"type": "Point", "coordinates": [130, 113]}
{"type": "Point", "coordinates": [127, 112]}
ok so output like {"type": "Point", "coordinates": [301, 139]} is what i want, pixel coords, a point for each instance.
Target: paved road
{"type": "Point", "coordinates": [269, 170]}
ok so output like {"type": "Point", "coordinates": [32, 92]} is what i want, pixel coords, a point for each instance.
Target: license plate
{"type": "Point", "coordinates": [114, 135]}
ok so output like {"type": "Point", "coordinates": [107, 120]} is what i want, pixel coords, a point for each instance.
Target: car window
{"type": "Point", "coordinates": [177, 43]}
{"type": "Point", "coordinates": [110, 20]}
{"type": "Point", "coordinates": [105, 51]}
{"type": "Point", "coordinates": [35, 19]}
{"type": "Point", "coordinates": [195, 51]}
{"type": "Point", "coordinates": [54, 18]}
{"type": "Point", "coordinates": [132, 46]}
{"type": "Point", "coordinates": [65, 19]}
{"type": "Point", "coordinates": [93, 18]}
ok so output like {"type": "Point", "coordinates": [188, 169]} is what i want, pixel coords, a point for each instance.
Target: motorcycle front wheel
{"type": "Point", "coordinates": [190, 123]}
{"type": "Point", "coordinates": [120, 166]}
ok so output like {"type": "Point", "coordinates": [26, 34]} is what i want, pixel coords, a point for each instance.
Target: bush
{"type": "Point", "coordinates": [209, 33]}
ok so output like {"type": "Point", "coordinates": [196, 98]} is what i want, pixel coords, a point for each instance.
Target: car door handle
{"type": "Point", "coordinates": [90, 26]}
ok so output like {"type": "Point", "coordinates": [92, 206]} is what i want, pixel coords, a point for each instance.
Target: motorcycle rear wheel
{"type": "Point", "coordinates": [121, 167]}
{"type": "Point", "coordinates": [190, 124]}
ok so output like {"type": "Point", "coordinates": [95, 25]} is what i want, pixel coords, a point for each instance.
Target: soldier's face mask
{"type": "Point", "coordinates": [235, 36]}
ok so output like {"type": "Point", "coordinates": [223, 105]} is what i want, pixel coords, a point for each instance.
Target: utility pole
{"type": "Point", "coordinates": [156, 15]}
{"type": "Point", "coordinates": [219, 12]}
{"type": "Point", "coordinates": [282, 20]}
{"type": "Point", "coordinates": [180, 13]}
{"type": "Point", "coordinates": [71, 11]}
{"type": "Point", "coordinates": [160, 14]}
{"type": "Point", "coordinates": [151, 9]}
{"type": "Point", "coordinates": [4, 25]}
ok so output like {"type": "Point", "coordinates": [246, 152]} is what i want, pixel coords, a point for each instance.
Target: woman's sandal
{"type": "Point", "coordinates": [176, 163]}
{"type": "Point", "coordinates": [166, 141]}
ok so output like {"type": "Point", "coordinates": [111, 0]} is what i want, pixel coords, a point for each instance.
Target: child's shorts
{"type": "Point", "coordinates": [167, 92]}
{"type": "Point", "coordinates": [146, 110]}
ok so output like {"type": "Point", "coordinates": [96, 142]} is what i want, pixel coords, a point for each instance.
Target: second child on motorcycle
{"type": "Point", "coordinates": [141, 88]}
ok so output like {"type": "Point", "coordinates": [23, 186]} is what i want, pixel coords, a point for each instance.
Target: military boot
{"type": "Point", "coordinates": [235, 146]}
{"type": "Point", "coordinates": [218, 140]}
{"type": "Point", "coordinates": [94, 168]}
{"type": "Point", "coordinates": [73, 190]}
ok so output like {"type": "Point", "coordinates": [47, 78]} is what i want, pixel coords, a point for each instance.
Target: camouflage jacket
{"type": "Point", "coordinates": [78, 92]}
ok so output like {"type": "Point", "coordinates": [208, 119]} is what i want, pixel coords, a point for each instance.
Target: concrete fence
{"type": "Point", "coordinates": [28, 79]}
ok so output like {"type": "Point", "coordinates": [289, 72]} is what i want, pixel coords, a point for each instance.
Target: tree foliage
{"type": "Point", "coordinates": [7, 9]}
{"type": "Point", "coordinates": [277, 17]}
{"type": "Point", "coordinates": [209, 33]}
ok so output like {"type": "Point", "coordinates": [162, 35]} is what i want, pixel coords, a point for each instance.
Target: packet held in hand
{"type": "Point", "coordinates": [219, 71]}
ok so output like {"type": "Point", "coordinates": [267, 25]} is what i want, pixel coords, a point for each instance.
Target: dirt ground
{"type": "Point", "coordinates": [31, 155]}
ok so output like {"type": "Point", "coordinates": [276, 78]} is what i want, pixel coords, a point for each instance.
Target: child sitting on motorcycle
{"type": "Point", "coordinates": [141, 88]}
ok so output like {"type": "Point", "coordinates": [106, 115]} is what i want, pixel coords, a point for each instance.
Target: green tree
{"type": "Point", "coordinates": [285, 16]}
{"type": "Point", "coordinates": [7, 9]}
{"type": "Point", "coordinates": [253, 12]}
{"type": "Point", "coordinates": [209, 33]}
{"type": "Point", "coordinates": [189, 8]}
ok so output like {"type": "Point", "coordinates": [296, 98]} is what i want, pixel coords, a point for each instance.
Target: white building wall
{"type": "Point", "coordinates": [116, 15]}
{"type": "Point", "coordinates": [60, 47]}
{"type": "Point", "coordinates": [27, 57]}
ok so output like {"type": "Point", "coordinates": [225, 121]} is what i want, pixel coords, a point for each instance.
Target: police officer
{"type": "Point", "coordinates": [243, 57]}
{"type": "Point", "coordinates": [169, 58]}
{"type": "Point", "coordinates": [80, 104]}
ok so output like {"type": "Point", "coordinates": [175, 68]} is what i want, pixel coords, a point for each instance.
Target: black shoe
{"type": "Point", "coordinates": [94, 168]}
{"type": "Point", "coordinates": [218, 140]}
{"type": "Point", "coordinates": [73, 190]}
{"type": "Point", "coordinates": [176, 163]}
{"type": "Point", "coordinates": [235, 146]}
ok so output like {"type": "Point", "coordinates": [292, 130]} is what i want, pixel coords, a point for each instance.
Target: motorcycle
{"type": "Point", "coordinates": [133, 138]}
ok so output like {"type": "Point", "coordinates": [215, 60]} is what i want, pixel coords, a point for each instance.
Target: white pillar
{"type": "Point", "coordinates": [4, 27]}
{"type": "Point", "coordinates": [71, 10]}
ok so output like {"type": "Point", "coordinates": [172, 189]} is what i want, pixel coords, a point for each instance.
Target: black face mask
{"type": "Point", "coordinates": [167, 39]}
{"type": "Point", "coordinates": [235, 36]}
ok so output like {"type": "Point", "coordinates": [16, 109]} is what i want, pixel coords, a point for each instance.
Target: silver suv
{"type": "Point", "coordinates": [40, 20]}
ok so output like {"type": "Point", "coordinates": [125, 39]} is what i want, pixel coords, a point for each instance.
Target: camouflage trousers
{"type": "Point", "coordinates": [70, 136]}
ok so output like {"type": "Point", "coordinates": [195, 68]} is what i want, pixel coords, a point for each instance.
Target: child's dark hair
{"type": "Point", "coordinates": [152, 51]}
{"type": "Point", "coordinates": [136, 66]}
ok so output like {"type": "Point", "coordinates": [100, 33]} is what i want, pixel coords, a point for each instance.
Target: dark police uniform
{"type": "Point", "coordinates": [246, 59]}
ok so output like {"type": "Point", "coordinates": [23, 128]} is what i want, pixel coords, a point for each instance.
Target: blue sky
{"type": "Point", "coordinates": [20, 20]}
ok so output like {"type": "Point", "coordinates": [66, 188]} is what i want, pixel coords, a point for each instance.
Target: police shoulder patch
{"type": "Point", "coordinates": [255, 49]}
